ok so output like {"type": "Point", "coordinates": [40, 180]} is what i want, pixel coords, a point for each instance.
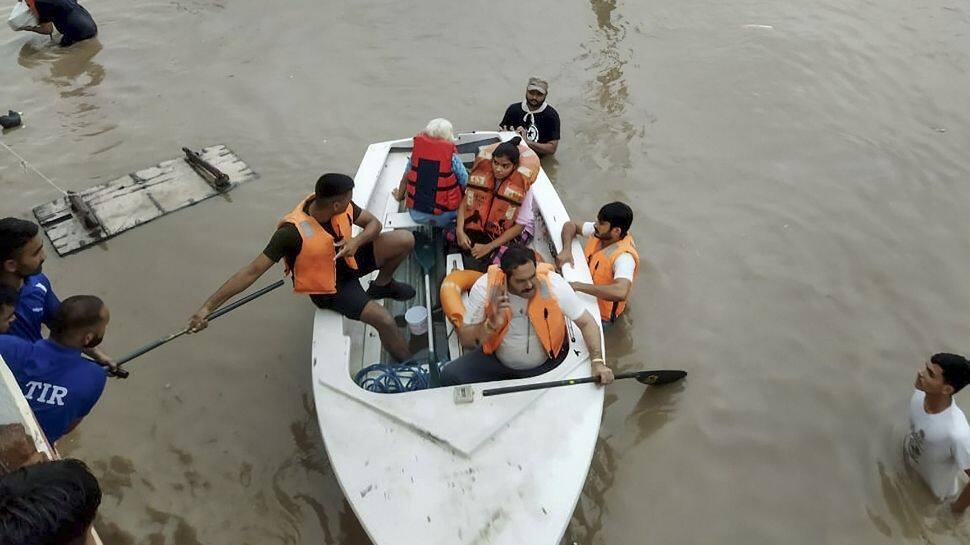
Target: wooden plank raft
{"type": "Point", "coordinates": [78, 220]}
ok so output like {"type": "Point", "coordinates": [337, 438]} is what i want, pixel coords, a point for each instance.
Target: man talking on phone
{"type": "Point", "coordinates": [515, 324]}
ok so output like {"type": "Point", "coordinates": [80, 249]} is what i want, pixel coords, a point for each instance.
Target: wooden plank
{"type": "Point", "coordinates": [137, 198]}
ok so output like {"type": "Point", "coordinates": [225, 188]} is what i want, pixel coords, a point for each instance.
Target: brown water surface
{"type": "Point", "coordinates": [801, 195]}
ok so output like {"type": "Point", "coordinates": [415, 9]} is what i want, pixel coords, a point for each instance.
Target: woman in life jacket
{"type": "Point", "coordinates": [492, 215]}
{"type": "Point", "coordinates": [433, 183]}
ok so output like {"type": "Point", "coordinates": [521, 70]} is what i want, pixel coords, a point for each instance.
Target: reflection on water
{"type": "Point", "coordinates": [913, 510]}
{"type": "Point", "coordinates": [66, 65]}
{"type": "Point", "coordinates": [588, 519]}
{"type": "Point", "coordinates": [609, 131]}
{"type": "Point", "coordinates": [655, 408]}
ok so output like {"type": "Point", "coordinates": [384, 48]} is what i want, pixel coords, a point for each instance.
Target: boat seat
{"type": "Point", "coordinates": [400, 220]}
{"type": "Point", "coordinates": [454, 262]}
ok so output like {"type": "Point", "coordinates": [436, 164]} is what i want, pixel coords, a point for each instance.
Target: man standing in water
{"type": "Point", "coordinates": [67, 16]}
{"type": "Point", "coordinates": [327, 261]}
{"type": "Point", "coordinates": [938, 445]}
{"type": "Point", "coordinates": [611, 254]}
{"type": "Point", "coordinates": [534, 119]}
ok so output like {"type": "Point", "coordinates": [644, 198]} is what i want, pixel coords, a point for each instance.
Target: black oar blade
{"type": "Point", "coordinates": [656, 378]}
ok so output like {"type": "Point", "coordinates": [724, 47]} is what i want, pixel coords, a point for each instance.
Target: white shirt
{"type": "Point", "coordinates": [624, 266]}
{"type": "Point", "coordinates": [938, 446]}
{"type": "Point", "coordinates": [521, 347]}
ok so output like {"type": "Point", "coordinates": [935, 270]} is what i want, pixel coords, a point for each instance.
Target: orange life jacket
{"type": "Point", "coordinates": [314, 270]}
{"type": "Point", "coordinates": [490, 209]}
{"type": "Point", "coordinates": [545, 314]}
{"type": "Point", "coordinates": [432, 186]}
{"type": "Point", "coordinates": [601, 261]}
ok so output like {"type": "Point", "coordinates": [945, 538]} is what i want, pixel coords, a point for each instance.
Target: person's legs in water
{"type": "Point", "coordinates": [474, 366]}
{"type": "Point", "coordinates": [78, 26]}
{"type": "Point", "coordinates": [390, 250]}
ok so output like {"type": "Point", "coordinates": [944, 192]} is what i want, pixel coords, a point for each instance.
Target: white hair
{"type": "Point", "coordinates": [441, 129]}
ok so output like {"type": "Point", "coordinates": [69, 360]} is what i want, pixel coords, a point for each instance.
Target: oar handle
{"type": "Point", "coordinates": [151, 346]}
{"type": "Point", "coordinates": [211, 316]}
{"type": "Point", "coordinates": [552, 384]}
{"type": "Point", "coordinates": [236, 304]}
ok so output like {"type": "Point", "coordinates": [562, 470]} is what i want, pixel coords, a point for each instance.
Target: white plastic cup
{"type": "Point", "coordinates": [417, 319]}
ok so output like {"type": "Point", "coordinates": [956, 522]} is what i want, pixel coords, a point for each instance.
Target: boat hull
{"type": "Point", "coordinates": [419, 468]}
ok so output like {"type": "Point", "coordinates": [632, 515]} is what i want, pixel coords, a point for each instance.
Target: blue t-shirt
{"type": "Point", "coordinates": [36, 304]}
{"type": "Point", "coordinates": [60, 385]}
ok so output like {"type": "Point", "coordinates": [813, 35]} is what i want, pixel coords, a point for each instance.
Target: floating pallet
{"type": "Point", "coordinates": [78, 220]}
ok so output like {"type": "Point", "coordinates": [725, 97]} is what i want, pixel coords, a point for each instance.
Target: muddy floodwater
{"type": "Point", "coordinates": [799, 172]}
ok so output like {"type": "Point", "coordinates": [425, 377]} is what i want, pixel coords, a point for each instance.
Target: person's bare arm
{"type": "Point", "coordinates": [618, 291]}
{"type": "Point", "coordinates": [370, 225]}
{"type": "Point", "coordinates": [402, 187]}
{"type": "Point", "coordinates": [594, 342]}
{"type": "Point", "coordinates": [481, 250]}
{"type": "Point", "coordinates": [569, 231]}
{"type": "Point", "coordinates": [963, 501]}
{"type": "Point", "coordinates": [235, 285]}
{"type": "Point", "coordinates": [46, 29]}
{"type": "Point", "coordinates": [371, 229]}
{"type": "Point", "coordinates": [548, 148]}
{"type": "Point", "coordinates": [473, 335]}
{"type": "Point", "coordinates": [463, 240]}
{"type": "Point", "coordinates": [99, 356]}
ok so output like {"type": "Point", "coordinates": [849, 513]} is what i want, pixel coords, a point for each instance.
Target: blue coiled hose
{"type": "Point", "coordinates": [393, 378]}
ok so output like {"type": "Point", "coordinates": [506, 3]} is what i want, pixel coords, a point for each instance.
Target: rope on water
{"type": "Point", "coordinates": [26, 165]}
{"type": "Point", "coordinates": [392, 378]}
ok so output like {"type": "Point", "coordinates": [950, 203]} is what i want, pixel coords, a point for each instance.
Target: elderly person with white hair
{"type": "Point", "coordinates": [433, 184]}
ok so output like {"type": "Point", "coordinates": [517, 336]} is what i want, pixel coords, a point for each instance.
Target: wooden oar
{"type": "Point", "coordinates": [652, 378]}
{"type": "Point", "coordinates": [121, 373]}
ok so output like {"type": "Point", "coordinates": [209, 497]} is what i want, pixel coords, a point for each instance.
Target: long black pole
{"type": "Point", "coordinates": [212, 316]}
{"type": "Point", "coordinates": [658, 377]}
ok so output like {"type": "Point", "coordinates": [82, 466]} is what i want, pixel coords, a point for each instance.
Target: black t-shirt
{"type": "Point", "coordinates": [545, 129]}
{"type": "Point", "coordinates": [70, 18]}
{"type": "Point", "coordinates": [287, 242]}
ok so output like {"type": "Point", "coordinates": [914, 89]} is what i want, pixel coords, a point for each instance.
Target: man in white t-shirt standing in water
{"type": "Point", "coordinates": [938, 444]}
{"type": "Point", "coordinates": [611, 254]}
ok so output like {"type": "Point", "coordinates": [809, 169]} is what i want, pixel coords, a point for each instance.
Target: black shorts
{"type": "Point", "coordinates": [350, 298]}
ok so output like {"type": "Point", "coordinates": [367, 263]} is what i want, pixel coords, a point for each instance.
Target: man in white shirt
{"type": "Point", "coordinates": [611, 254]}
{"type": "Point", "coordinates": [938, 445]}
{"type": "Point", "coordinates": [515, 324]}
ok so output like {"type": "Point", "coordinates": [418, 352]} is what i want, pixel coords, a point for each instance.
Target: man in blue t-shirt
{"type": "Point", "coordinates": [21, 262]}
{"type": "Point", "coordinates": [59, 383]}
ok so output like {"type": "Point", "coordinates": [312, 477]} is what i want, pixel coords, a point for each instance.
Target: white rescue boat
{"type": "Point", "coordinates": [419, 468]}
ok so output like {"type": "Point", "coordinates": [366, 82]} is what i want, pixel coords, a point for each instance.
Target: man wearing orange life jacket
{"type": "Point", "coordinates": [611, 254]}
{"type": "Point", "coordinates": [515, 324]}
{"type": "Point", "coordinates": [326, 261]}
{"type": "Point", "coordinates": [497, 188]}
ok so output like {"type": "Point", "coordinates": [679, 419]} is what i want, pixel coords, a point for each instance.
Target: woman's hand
{"type": "Point", "coordinates": [480, 251]}
{"type": "Point", "coordinates": [463, 241]}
